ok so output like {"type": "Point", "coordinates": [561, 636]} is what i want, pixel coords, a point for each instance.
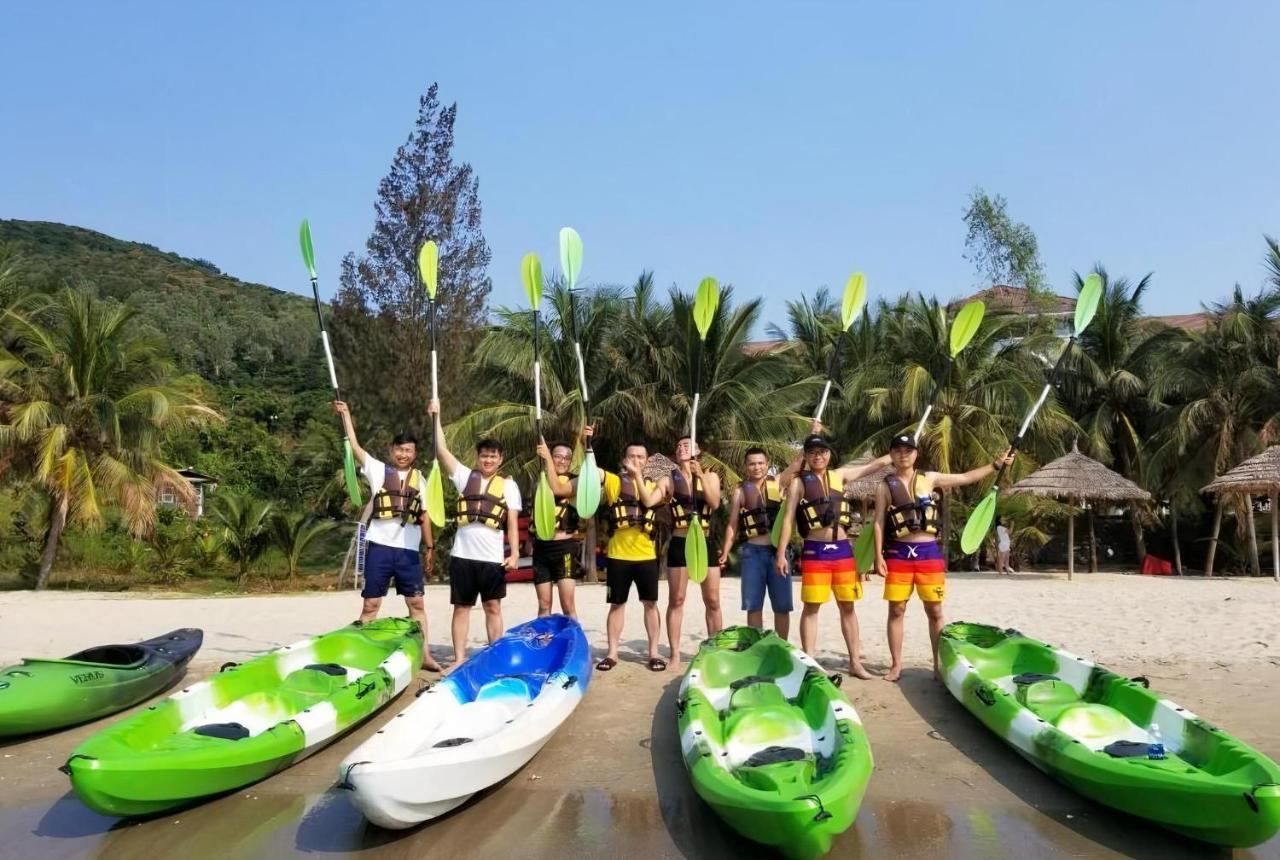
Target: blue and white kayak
{"type": "Point", "coordinates": [475, 728]}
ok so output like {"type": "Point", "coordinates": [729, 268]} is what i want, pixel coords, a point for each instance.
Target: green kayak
{"type": "Point", "coordinates": [1089, 728]}
{"type": "Point", "coordinates": [39, 695]}
{"type": "Point", "coordinates": [246, 722]}
{"type": "Point", "coordinates": [770, 743]}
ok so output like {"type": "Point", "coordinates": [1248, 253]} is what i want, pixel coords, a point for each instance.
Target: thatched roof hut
{"type": "Point", "coordinates": [1257, 476]}
{"type": "Point", "coordinates": [1077, 478]}
{"type": "Point", "coordinates": [659, 466]}
{"type": "Point", "coordinates": [865, 487]}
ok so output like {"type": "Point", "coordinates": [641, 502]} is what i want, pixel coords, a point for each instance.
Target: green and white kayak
{"type": "Point", "coordinates": [1089, 728]}
{"type": "Point", "coordinates": [39, 695]}
{"type": "Point", "coordinates": [246, 722]}
{"type": "Point", "coordinates": [770, 742]}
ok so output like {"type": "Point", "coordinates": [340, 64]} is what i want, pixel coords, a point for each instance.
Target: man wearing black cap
{"type": "Point", "coordinates": [911, 559]}
{"type": "Point", "coordinates": [817, 506]}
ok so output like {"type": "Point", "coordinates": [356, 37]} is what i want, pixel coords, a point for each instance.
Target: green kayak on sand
{"type": "Point", "coordinates": [39, 695]}
{"type": "Point", "coordinates": [246, 722]}
{"type": "Point", "coordinates": [770, 742]}
{"type": "Point", "coordinates": [1088, 727]}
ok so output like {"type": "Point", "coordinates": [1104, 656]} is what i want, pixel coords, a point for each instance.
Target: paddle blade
{"type": "Point", "coordinates": [531, 274]}
{"type": "Point", "coordinates": [588, 500]}
{"type": "Point", "coordinates": [544, 509]}
{"type": "Point", "coordinates": [965, 325]}
{"type": "Point", "coordinates": [864, 549]}
{"type": "Point", "coordinates": [429, 267]}
{"type": "Point", "coordinates": [570, 255]}
{"type": "Point", "coordinates": [695, 551]}
{"type": "Point", "coordinates": [855, 296]}
{"type": "Point", "coordinates": [975, 531]}
{"type": "Point", "coordinates": [1087, 302]}
{"type": "Point", "coordinates": [705, 304]}
{"type": "Point", "coordinates": [435, 496]}
{"type": "Point", "coordinates": [308, 252]}
{"type": "Point", "coordinates": [349, 474]}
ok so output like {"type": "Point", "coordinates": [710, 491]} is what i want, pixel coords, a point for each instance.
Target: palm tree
{"type": "Point", "coordinates": [292, 532]}
{"type": "Point", "coordinates": [245, 523]}
{"type": "Point", "coordinates": [85, 404]}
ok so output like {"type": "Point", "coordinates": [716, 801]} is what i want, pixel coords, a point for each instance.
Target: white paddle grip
{"type": "Point", "coordinates": [435, 378]}
{"type": "Point", "coordinates": [693, 425]}
{"type": "Point", "coordinates": [822, 404]}
{"type": "Point", "coordinates": [537, 389]}
{"type": "Point", "coordinates": [923, 420]}
{"type": "Point", "coordinates": [582, 372]}
{"type": "Point", "coordinates": [1034, 409]}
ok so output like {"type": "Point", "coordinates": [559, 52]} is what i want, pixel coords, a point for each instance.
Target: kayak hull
{"type": "Point", "coordinates": [1087, 727]}
{"type": "Point", "coordinates": [41, 695]}
{"type": "Point", "coordinates": [770, 743]}
{"type": "Point", "coordinates": [475, 728]}
{"type": "Point", "coordinates": [246, 722]}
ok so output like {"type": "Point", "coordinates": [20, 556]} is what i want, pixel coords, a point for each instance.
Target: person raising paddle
{"type": "Point", "coordinates": [911, 558]}
{"type": "Point", "coordinates": [557, 563]}
{"type": "Point", "coordinates": [689, 490]}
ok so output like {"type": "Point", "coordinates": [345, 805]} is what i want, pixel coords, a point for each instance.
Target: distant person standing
{"type": "Point", "coordinates": [397, 526]}
{"type": "Point", "coordinates": [1003, 546]}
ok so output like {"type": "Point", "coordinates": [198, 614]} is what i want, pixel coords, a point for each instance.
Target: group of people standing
{"type": "Point", "coordinates": [808, 495]}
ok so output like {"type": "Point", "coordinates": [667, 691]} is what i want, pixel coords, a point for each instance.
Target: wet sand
{"type": "Point", "coordinates": [611, 782]}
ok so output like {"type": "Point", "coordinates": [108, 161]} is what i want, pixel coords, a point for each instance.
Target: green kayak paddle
{"type": "Point", "coordinates": [704, 311]}
{"type": "Point", "coordinates": [963, 328]}
{"type": "Point", "coordinates": [544, 500]}
{"type": "Point", "coordinates": [975, 530]}
{"type": "Point", "coordinates": [348, 456]}
{"type": "Point", "coordinates": [429, 271]}
{"type": "Point", "coordinates": [855, 296]}
{"type": "Point", "coordinates": [587, 501]}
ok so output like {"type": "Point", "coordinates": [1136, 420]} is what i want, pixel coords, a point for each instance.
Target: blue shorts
{"type": "Point", "coordinates": [382, 564]}
{"type": "Point", "coordinates": [759, 574]}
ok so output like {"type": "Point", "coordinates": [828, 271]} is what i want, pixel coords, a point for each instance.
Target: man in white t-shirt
{"type": "Point", "coordinates": [397, 525]}
{"type": "Point", "coordinates": [488, 505]}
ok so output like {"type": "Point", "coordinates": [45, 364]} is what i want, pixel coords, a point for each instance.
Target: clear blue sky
{"type": "Point", "coordinates": [776, 146]}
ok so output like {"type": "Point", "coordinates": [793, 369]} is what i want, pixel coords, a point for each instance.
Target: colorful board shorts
{"type": "Point", "coordinates": [827, 566]}
{"type": "Point", "coordinates": [918, 566]}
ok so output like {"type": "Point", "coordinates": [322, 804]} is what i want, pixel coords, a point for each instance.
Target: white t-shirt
{"type": "Point", "coordinates": [477, 541]}
{"type": "Point", "coordinates": [389, 532]}
{"type": "Point", "coordinates": [1002, 538]}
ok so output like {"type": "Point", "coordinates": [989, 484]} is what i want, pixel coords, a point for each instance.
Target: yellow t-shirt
{"type": "Point", "coordinates": [629, 543]}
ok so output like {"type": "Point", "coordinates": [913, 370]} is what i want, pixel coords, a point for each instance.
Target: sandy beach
{"type": "Point", "coordinates": [611, 781]}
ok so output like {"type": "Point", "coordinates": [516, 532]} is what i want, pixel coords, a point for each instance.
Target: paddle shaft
{"type": "Point", "coordinates": [933, 399]}
{"type": "Point", "coordinates": [435, 378]}
{"type": "Point", "coordinates": [328, 353]}
{"type": "Point", "coordinates": [833, 366]}
{"type": "Point", "coordinates": [537, 374]}
{"type": "Point", "coordinates": [582, 368]}
{"type": "Point", "coordinates": [1044, 394]}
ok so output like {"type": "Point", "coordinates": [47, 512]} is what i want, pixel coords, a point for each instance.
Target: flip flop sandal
{"type": "Point", "coordinates": [606, 664]}
{"type": "Point", "coordinates": [657, 664]}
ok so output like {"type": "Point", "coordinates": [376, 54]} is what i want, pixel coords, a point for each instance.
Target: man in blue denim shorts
{"type": "Point", "coordinates": [757, 503]}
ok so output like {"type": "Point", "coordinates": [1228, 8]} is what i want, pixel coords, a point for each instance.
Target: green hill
{"type": "Point", "coordinates": [230, 332]}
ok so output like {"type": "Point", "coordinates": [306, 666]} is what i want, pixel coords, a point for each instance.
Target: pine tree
{"type": "Point", "coordinates": [380, 312]}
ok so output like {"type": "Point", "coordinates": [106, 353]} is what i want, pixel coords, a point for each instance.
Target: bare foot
{"type": "Point", "coordinates": [937, 672]}
{"type": "Point", "coordinates": [429, 663]}
{"type": "Point", "coordinates": [675, 666]}
{"type": "Point", "coordinates": [894, 673]}
{"type": "Point", "coordinates": [857, 671]}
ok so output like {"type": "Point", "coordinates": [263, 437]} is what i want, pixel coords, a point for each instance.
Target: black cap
{"type": "Point", "coordinates": [906, 440]}
{"type": "Point", "coordinates": [816, 441]}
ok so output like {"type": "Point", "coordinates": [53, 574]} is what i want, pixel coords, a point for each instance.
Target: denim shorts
{"type": "Point", "coordinates": [759, 574]}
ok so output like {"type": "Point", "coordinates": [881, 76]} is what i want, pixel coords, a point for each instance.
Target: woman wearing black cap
{"type": "Point", "coordinates": [816, 504]}
{"type": "Point", "coordinates": [911, 559]}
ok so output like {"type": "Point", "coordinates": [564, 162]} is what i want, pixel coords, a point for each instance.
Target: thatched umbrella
{"type": "Point", "coordinates": [1077, 478]}
{"type": "Point", "coordinates": [1258, 475]}
{"type": "Point", "coordinates": [865, 487]}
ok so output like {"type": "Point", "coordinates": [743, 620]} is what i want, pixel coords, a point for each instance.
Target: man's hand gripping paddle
{"type": "Point", "coordinates": [975, 531]}
{"type": "Point", "coordinates": [348, 456]}
{"type": "Point", "coordinates": [544, 500]}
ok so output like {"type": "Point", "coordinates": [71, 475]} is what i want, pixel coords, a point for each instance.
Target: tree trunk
{"type": "Point", "coordinates": [1253, 539]}
{"type": "Point", "coordinates": [1275, 534]}
{"type": "Point", "coordinates": [1139, 539]}
{"type": "Point", "coordinates": [1093, 543]}
{"type": "Point", "coordinates": [57, 523]}
{"type": "Point", "coordinates": [1173, 532]}
{"type": "Point", "coordinates": [589, 553]}
{"type": "Point", "coordinates": [1213, 541]}
{"type": "Point", "coordinates": [1071, 541]}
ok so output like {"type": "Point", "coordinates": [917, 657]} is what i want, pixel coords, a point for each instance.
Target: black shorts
{"type": "Point", "coordinates": [554, 560]}
{"type": "Point", "coordinates": [675, 552]}
{"type": "Point", "coordinates": [469, 579]}
{"type": "Point", "coordinates": [621, 574]}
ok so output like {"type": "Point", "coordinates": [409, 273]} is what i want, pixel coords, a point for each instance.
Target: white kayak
{"type": "Point", "coordinates": [473, 729]}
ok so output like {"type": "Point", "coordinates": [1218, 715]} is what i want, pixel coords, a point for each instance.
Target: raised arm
{"type": "Point", "coordinates": [947, 480]}
{"type": "Point", "coordinates": [787, 475]}
{"type": "Point", "coordinates": [853, 473]}
{"type": "Point", "coordinates": [560, 489]}
{"type": "Point", "coordinates": [443, 454]}
{"type": "Point", "coordinates": [350, 428]}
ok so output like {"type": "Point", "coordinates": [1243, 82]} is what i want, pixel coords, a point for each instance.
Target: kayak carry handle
{"type": "Point", "coordinates": [1142, 679]}
{"type": "Point", "coordinates": [569, 682]}
{"type": "Point", "coordinates": [822, 815]}
{"type": "Point", "coordinates": [345, 782]}
{"type": "Point", "coordinates": [230, 664]}
{"type": "Point", "coordinates": [985, 696]}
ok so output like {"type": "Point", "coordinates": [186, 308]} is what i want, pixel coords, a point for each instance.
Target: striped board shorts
{"type": "Point", "coordinates": [918, 566]}
{"type": "Point", "coordinates": [826, 567]}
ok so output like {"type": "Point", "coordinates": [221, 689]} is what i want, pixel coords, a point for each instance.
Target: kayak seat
{"type": "Point", "coordinates": [771, 660]}
{"type": "Point", "coordinates": [225, 731]}
{"type": "Point", "coordinates": [757, 695]}
{"type": "Point", "coordinates": [775, 755]}
{"type": "Point", "coordinates": [1098, 726]}
{"type": "Point", "coordinates": [777, 769]}
{"type": "Point", "coordinates": [111, 655]}
{"type": "Point", "coordinates": [1047, 698]}
{"type": "Point", "coordinates": [749, 731]}
{"type": "Point", "coordinates": [503, 688]}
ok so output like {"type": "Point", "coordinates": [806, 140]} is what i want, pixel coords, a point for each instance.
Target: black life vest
{"type": "Point", "coordinates": [909, 512]}
{"type": "Point", "coordinates": [627, 511]}
{"type": "Point", "coordinates": [398, 499]}
{"type": "Point", "coordinates": [481, 504]}
{"type": "Point", "coordinates": [567, 518]}
{"type": "Point", "coordinates": [685, 500]}
{"type": "Point", "coordinates": [757, 513]}
{"type": "Point", "coordinates": [822, 503]}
